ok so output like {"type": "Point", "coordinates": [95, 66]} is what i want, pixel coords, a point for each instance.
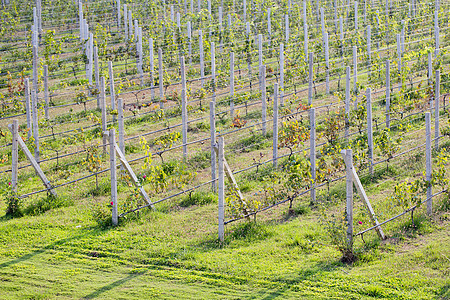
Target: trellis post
{"type": "Point", "coordinates": [221, 191]}
{"type": "Point", "coordinates": [349, 197]}
{"type": "Point", "coordinates": [184, 114]}
{"type": "Point", "coordinates": [152, 68]}
{"type": "Point", "coordinates": [120, 124]}
{"type": "Point", "coordinates": [281, 74]}
{"type": "Point", "coordinates": [312, 152]}
{"type": "Point", "coordinates": [111, 88]}
{"type": "Point", "coordinates": [263, 100]}
{"type": "Point", "coordinates": [212, 125]}
{"type": "Point", "coordinates": [327, 63]}
{"type": "Point", "coordinates": [388, 95]}
{"type": "Point", "coordinates": [34, 110]}
{"type": "Point", "coordinates": [28, 108]}
{"type": "Point", "coordinates": [355, 73]}
{"type": "Point", "coordinates": [369, 129]}
{"type": "Point", "coordinates": [103, 102]}
{"type": "Point", "coordinates": [112, 160]}
{"type": "Point", "coordinates": [310, 78]}
{"type": "Point", "coordinates": [428, 162]}
{"type": "Point", "coordinates": [232, 85]}
{"type": "Point", "coordinates": [202, 58]}
{"type": "Point", "coordinates": [161, 79]}
{"type": "Point", "coordinates": [347, 101]}
{"type": "Point", "coordinates": [437, 95]}
{"type": "Point", "coordinates": [305, 31]}
{"type": "Point", "coordinates": [96, 74]}
{"type": "Point", "coordinates": [15, 155]}
{"type": "Point", "coordinates": [46, 95]}
{"type": "Point", "coordinates": [275, 126]}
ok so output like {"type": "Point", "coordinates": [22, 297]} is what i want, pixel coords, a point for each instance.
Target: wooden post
{"type": "Point", "coordinates": [428, 162]}
{"type": "Point", "coordinates": [161, 79]}
{"type": "Point", "coordinates": [260, 58]}
{"type": "Point", "coordinates": [35, 68]}
{"type": "Point", "coordinates": [430, 68]}
{"type": "Point", "coordinates": [388, 95]}
{"type": "Point", "coordinates": [232, 85]}
{"type": "Point", "coordinates": [152, 69]}
{"type": "Point", "coordinates": [369, 40]}
{"type": "Point", "coordinates": [281, 74]}
{"type": "Point", "coordinates": [369, 129]}
{"type": "Point", "coordinates": [34, 111]}
{"type": "Point", "coordinates": [91, 58]}
{"type": "Point", "coordinates": [28, 108]}
{"type": "Point", "coordinates": [112, 161]}
{"type": "Point", "coordinates": [189, 35]}
{"type": "Point", "coordinates": [437, 95]}
{"type": "Point", "coordinates": [436, 45]}
{"type": "Point", "coordinates": [244, 13]}
{"type": "Point", "coordinates": [347, 101]}
{"type": "Point", "coordinates": [269, 25]}
{"type": "Point", "coordinates": [363, 195]}
{"type": "Point", "coordinates": [46, 96]}
{"type": "Point", "coordinates": [312, 153]}
{"type": "Point", "coordinates": [305, 31]}
{"type": "Point", "coordinates": [310, 79]}
{"type": "Point", "coordinates": [355, 73]}
{"type": "Point", "coordinates": [349, 197]}
{"type": "Point", "coordinates": [213, 71]}
{"type": "Point", "coordinates": [184, 113]}
{"type": "Point", "coordinates": [141, 56]}
{"type": "Point", "coordinates": [221, 191]}
{"type": "Point", "coordinates": [118, 13]}
{"type": "Point", "coordinates": [15, 155]}
{"type": "Point", "coordinates": [286, 26]}
{"type": "Point", "coordinates": [121, 125]}
{"type": "Point", "coordinates": [275, 126]}
{"type": "Point", "coordinates": [327, 63]}
{"type": "Point", "coordinates": [125, 20]}
{"type": "Point", "coordinates": [111, 88]}
{"type": "Point", "coordinates": [97, 74]}
{"type": "Point", "coordinates": [263, 99]}
{"type": "Point", "coordinates": [34, 164]}
{"type": "Point", "coordinates": [103, 101]}
{"type": "Point", "coordinates": [202, 58]}
{"type": "Point", "coordinates": [212, 123]}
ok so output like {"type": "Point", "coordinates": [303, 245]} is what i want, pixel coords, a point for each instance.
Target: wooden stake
{"type": "Point", "coordinates": [263, 99]}
{"type": "Point", "coordinates": [312, 153]}
{"type": "Point", "coordinates": [161, 79]}
{"type": "Point", "coordinates": [212, 123]}
{"type": "Point", "coordinates": [275, 126]}
{"type": "Point", "coordinates": [349, 198]}
{"type": "Point", "coordinates": [388, 95]}
{"type": "Point", "coordinates": [112, 161]}
{"type": "Point", "coordinates": [369, 129]}
{"type": "Point", "coordinates": [221, 191]}
{"type": "Point", "coordinates": [28, 108]}
{"type": "Point", "coordinates": [428, 162]}
{"type": "Point", "coordinates": [46, 96]}
{"type": "Point", "coordinates": [15, 155]}
{"type": "Point", "coordinates": [437, 96]}
{"type": "Point", "coordinates": [34, 111]}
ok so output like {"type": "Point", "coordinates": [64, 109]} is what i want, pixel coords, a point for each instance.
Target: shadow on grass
{"type": "Point", "coordinates": [112, 285]}
{"type": "Point", "coordinates": [48, 247]}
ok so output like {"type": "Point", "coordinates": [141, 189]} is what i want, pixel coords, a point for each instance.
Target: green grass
{"type": "Point", "coordinates": [63, 253]}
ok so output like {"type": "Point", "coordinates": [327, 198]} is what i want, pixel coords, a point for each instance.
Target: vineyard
{"type": "Point", "coordinates": [225, 149]}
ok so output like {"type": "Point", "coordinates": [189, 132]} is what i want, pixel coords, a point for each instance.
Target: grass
{"type": "Point", "coordinates": [167, 255]}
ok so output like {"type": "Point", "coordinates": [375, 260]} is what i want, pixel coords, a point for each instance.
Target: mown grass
{"type": "Point", "coordinates": [63, 253]}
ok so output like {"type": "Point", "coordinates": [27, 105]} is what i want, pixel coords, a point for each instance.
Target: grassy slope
{"type": "Point", "coordinates": [62, 254]}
